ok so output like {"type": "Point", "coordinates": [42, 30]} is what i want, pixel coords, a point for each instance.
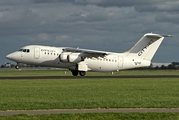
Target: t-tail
{"type": "Point", "coordinates": [147, 46]}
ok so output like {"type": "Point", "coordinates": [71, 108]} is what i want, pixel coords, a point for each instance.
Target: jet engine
{"type": "Point", "coordinates": [63, 56]}
{"type": "Point", "coordinates": [70, 57]}
{"type": "Point", "coordinates": [74, 58]}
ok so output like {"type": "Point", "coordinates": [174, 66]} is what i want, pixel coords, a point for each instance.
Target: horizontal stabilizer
{"type": "Point", "coordinates": [156, 35]}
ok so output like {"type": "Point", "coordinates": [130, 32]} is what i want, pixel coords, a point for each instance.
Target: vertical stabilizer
{"type": "Point", "coordinates": [147, 46]}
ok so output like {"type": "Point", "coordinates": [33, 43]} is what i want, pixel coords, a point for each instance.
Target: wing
{"type": "Point", "coordinates": [86, 52]}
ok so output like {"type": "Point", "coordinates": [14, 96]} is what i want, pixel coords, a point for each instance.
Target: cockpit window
{"type": "Point", "coordinates": [24, 50]}
{"type": "Point", "coordinates": [20, 50]}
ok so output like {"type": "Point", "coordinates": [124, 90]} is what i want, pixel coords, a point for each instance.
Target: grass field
{"type": "Point", "coordinates": [90, 93]}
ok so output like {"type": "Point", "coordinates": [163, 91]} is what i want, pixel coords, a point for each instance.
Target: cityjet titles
{"type": "Point", "coordinates": [46, 50]}
{"type": "Point", "coordinates": [145, 48]}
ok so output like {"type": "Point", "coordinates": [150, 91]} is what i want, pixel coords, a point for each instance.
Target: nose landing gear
{"type": "Point", "coordinates": [17, 66]}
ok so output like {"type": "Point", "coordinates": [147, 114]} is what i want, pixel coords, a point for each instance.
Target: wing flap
{"type": "Point", "coordinates": [86, 52]}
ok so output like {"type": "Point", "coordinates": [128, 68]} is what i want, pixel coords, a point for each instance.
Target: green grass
{"type": "Point", "coordinates": [97, 116]}
{"type": "Point", "coordinates": [68, 73]}
{"type": "Point", "coordinates": [88, 93]}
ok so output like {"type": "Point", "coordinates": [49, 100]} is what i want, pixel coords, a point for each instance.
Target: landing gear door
{"type": "Point", "coordinates": [120, 61]}
{"type": "Point", "coordinates": [36, 52]}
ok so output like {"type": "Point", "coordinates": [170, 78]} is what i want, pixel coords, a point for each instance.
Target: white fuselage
{"type": "Point", "coordinates": [49, 56]}
{"type": "Point", "coordinates": [81, 60]}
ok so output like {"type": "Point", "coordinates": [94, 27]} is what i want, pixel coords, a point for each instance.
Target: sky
{"type": "Point", "coordinates": [107, 25]}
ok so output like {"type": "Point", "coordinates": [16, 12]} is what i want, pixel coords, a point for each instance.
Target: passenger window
{"type": "Point", "coordinates": [28, 50]}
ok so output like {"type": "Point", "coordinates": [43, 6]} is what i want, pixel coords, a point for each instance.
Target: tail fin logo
{"type": "Point", "coordinates": [145, 48]}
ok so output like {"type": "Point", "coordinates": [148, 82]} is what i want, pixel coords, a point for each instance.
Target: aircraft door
{"type": "Point", "coordinates": [36, 52]}
{"type": "Point", "coordinates": [120, 61]}
{"type": "Point", "coordinates": [21, 55]}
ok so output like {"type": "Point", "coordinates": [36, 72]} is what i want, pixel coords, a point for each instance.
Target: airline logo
{"type": "Point", "coordinates": [145, 48]}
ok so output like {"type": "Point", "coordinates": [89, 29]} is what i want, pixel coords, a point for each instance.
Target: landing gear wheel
{"type": "Point", "coordinates": [17, 67]}
{"type": "Point", "coordinates": [82, 73]}
{"type": "Point", "coordinates": [75, 73]}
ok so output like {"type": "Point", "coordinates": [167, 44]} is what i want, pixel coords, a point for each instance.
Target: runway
{"type": "Point", "coordinates": [75, 111]}
{"type": "Point", "coordinates": [89, 77]}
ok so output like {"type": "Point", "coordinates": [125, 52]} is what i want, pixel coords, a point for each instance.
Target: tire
{"type": "Point", "coordinates": [82, 73]}
{"type": "Point", "coordinates": [17, 67]}
{"type": "Point", "coordinates": [75, 73]}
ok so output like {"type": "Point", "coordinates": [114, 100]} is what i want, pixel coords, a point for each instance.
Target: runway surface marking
{"type": "Point", "coordinates": [63, 111]}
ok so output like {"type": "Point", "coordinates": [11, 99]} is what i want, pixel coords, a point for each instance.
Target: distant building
{"type": "Point", "coordinates": [160, 64]}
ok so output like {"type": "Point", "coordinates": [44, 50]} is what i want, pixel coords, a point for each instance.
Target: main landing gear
{"type": "Point", "coordinates": [75, 73]}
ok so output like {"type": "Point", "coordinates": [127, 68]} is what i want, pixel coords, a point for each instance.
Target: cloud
{"type": "Point", "coordinates": [14, 16]}
{"type": "Point", "coordinates": [112, 25]}
{"type": "Point", "coordinates": [115, 3]}
{"type": "Point", "coordinates": [16, 21]}
{"type": "Point", "coordinates": [63, 38]}
{"type": "Point", "coordinates": [170, 18]}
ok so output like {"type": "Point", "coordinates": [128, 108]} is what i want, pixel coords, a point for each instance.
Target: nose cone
{"type": "Point", "coordinates": [13, 56]}
{"type": "Point", "coordinates": [10, 56]}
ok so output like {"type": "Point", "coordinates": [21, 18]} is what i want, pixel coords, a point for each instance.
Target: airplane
{"type": "Point", "coordinates": [79, 61]}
